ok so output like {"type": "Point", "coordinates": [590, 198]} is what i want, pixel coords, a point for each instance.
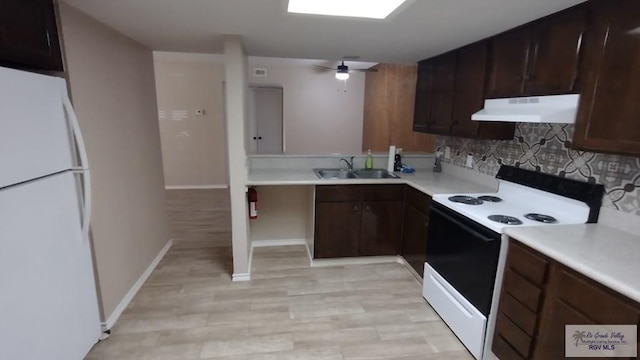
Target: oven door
{"type": "Point", "coordinates": [465, 254]}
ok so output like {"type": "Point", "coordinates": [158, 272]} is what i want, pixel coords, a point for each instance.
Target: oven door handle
{"type": "Point", "coordinates": [465, 227]}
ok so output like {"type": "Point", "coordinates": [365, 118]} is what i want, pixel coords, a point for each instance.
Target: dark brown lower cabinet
{"type": "Point", "coordinates": [337, 229]}
{"type": "Point", "coordinates": [358, 220]}
{"type": "Point", "coordinates": [414, 235]}
{"type": "Point", "coordinates": [540, 296]}
{"type": "Point", "coordinates": [380, 228]}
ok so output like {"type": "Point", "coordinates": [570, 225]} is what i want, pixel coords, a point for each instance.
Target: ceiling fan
{"type": "Point", "coordinates": [342, 70]}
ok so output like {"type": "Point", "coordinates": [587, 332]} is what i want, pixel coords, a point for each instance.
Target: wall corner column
{"type": "Point", "coordinates": [235, 65]}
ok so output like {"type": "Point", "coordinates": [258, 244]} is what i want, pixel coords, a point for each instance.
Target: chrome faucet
{"type": "Point", "coordinates": [349, 163]}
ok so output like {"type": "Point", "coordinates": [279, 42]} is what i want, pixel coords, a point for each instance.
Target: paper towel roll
{"type": "Point", "coordinates": [392, 154]}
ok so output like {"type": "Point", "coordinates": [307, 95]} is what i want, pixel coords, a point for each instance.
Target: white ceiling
{"type": "Point", "coordinates": [420, 29]}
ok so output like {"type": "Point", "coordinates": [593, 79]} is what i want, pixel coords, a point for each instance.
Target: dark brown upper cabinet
{"type": "Point", "coordinates": [556, 53]}
{"type": "Point", "coordinates": [434, 94]}
{"type": "Point", "coordinates": [509, 55]}
{"type": "Point", "coordinates": [422, 109]}
{"type": "Point", "coordinates": [608, 117]}
{"type": "Point", "coordinates": [540, 58]}
{"type": "Point", "coordinates": [444, 72]}
{"type": "Point", "coordinates": [29, 36]}
{"type": "Point", "coordinates": [450, 89]}
{"type": "Point", "coordinates": [469, 97]}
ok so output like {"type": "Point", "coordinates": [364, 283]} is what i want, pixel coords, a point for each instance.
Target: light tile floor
{"type": "Point", "coordinates": [190, 309]}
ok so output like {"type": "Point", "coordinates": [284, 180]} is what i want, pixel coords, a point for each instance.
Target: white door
{"type": "Point", "coordinates": [34, 134]}
{"type": "Point", "coordinates": [265, 114]}
{"type": "Point", "coordinates": [48, 301]}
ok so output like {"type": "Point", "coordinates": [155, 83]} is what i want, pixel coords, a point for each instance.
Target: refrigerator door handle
{"type": "Point", "coordinates": [75, 127]}
{"type": "Point", "coordinates": [83, 168]}
{"type": "Point", "coordinates": [86, 200]}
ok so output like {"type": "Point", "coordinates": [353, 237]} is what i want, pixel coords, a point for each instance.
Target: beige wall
{"type": "Point", "coordinates": [319, 116]}
{"type": "Point", "coordinates": [193, 146]}
{"type": "Point", "coordinates": [112, 85]}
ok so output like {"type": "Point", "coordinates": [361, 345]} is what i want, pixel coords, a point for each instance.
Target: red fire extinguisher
{"type": "Point", "coordinates": [252, 196]}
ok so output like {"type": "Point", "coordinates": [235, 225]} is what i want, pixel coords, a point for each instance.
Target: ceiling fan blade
{"type": "Point", "coordinates": [324, 67]}
{"type": "Point", "coordinates": [364, 70]}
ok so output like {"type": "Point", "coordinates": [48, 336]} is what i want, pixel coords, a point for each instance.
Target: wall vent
{"type": "Point", "coordinates": [260, 72]}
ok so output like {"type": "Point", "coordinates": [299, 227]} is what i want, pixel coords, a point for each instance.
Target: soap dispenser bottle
{"type": "Point", "coordinates": [368, 162]}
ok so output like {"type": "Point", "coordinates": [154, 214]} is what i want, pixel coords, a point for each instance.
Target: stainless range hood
{"type": "Point", "coordinates": [537, 109]}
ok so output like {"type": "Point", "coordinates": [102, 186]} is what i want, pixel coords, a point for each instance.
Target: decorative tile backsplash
{"type": "Point", "coordinates": [547, 148]}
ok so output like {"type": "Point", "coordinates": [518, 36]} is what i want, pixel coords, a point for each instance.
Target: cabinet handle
{"type": "Point", "coordinates": [367, 208]}
{"type": "Point", "coordinates": [254, 138]}
{"type": "Point", "coordinates": [259, 137]}
{"type": "Point", "coordinates": [355, 208]}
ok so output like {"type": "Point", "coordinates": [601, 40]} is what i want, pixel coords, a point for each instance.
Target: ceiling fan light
{"type": "Point", "coordinates": [342, 75]}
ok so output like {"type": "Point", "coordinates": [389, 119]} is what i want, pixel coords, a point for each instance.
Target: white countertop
{"type": "Point", "coordinates": [424, 180]}
{"type": "Point", "coordinates": [606, 255]}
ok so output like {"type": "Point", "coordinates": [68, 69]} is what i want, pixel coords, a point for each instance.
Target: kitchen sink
{"type": "Point", "coordinates": [375, 174]}
{"type": "Point", "coordinates": [334, 174]}
{"type": "Point", "coordinates": [356, 174]}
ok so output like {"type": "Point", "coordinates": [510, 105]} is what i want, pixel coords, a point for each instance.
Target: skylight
{"type": "Point", "coordinates": [378, 9]}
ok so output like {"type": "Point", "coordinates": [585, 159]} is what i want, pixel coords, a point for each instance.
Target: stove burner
{"type": "Point", "coordinates": [489, 198]}
{"type": "Point", "coordinates": [469, 200]}
{"type": "Point", "coordinates": [541, 218]}
{"type": "Point", "coordinates": [504, 219]}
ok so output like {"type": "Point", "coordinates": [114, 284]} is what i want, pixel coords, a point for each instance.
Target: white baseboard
{"type": "Point", "coordinates": [111, 320]}
{"type": "Point", "coordinates": [196, 187]}
{"type": "Point", "coordinates": [277, 242]}
{"type": "Point", "coordinates": [241, 277]}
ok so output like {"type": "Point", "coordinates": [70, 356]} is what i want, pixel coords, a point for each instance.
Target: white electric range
{"type": "Point", "coordinates": [465, 252]}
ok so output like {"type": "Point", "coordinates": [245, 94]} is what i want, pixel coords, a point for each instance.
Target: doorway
{"type": "Point", "coordinates": [265, 132]}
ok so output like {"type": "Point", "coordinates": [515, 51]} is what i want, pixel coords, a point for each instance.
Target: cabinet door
{"type": "Point", "coordinates": [422, 106]}
{"type": "Point", "coordinates": [573, 299]}
{"type": "Point", "coordinates": [442, 95]}
{"type": "Point", "coordinates": [509, 53]}
{"type": "Point", "coordinates": [414, 238]}
{"type": "Point", "coordinates": [337, 229]}
{"type": "Point", "coordinates": [556, 52]}
{"type": "Point", "coordinates": [381, 228]}
{"type": "Point", "coordinates": [28, 35]}
{"type": "Point", "coordinates": [469, 89]}
{"type": "Point", "coordinates": [609, 110]}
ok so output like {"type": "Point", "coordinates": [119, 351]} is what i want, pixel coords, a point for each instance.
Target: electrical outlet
{"type": "Point", "coordinates": [470, 161]}
{"type": "Point", "coordinates": [447, 153]}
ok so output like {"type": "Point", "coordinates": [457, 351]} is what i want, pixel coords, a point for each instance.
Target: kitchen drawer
{"type": "Point", "coordinates": [518, 313]}
{"type": "Point", "coordinates": [521, 289]}
{"type": "Point", "coordinates": [600, 304]}
{"type": "Point", "coordinates": [417, 199]}
{"type": "Point", "coordinates": [503, 350]}
{"type": "Point", "coordinates": [382, 192]}
{"type": "Point", "coordinates": [334, 193]}
{"type": "Point", "coordinates": [526, 263]}
{"type": "Point", "coordinates": [512, 334]}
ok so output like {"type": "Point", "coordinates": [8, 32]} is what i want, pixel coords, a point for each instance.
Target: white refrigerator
{"type": "Point", "coordinates": [48, 299]}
